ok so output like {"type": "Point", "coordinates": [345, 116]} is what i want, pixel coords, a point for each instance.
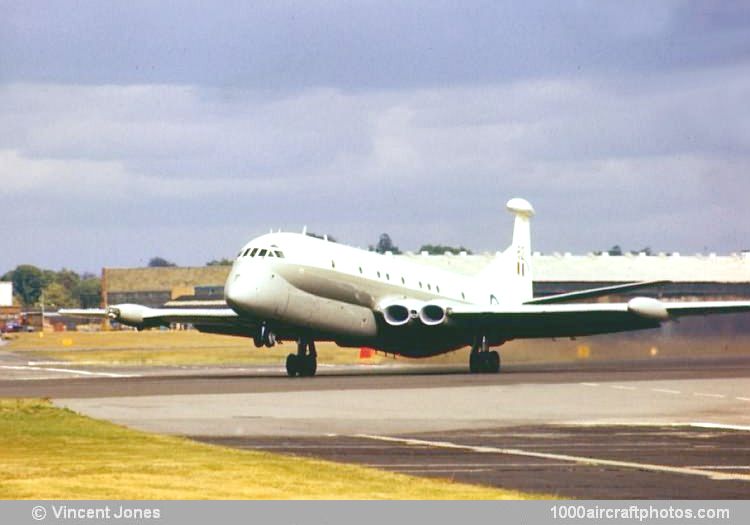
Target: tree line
{"type": "Point", "coordinates": [33, 286]}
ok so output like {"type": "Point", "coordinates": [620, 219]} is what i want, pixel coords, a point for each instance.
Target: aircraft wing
{"type": "Point", "coordinates": [594, 292]}
{"type": "Point", "coordinates": [85, 313]}
{"type": "Point", "coordinates": [568, 320]}
{"type": "Point", "coordinates": [215, 320]}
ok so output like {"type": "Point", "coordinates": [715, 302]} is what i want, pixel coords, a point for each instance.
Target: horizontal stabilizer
{"type": "Point", "coordinates": [594, 292]}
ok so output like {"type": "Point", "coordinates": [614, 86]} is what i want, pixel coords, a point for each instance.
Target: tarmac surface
{"type": "Point", "coordinates": [661, 428]}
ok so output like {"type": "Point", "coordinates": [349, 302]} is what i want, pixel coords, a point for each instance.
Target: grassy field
{"type": "Point", "coordinates": [52, 453]}
{"type": "Point", "coordinates": [164, 347]}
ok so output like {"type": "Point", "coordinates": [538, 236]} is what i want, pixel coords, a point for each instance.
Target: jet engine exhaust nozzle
{"type": "Point", "coordinates": [396, 314]}
{"type": "Point", "coordinates": [432, 314]}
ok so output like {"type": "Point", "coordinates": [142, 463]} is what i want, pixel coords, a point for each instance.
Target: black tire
{"type": "Point", "coordinates": [292, 365]}
{"type": "Point", "coordinates": [493, 362]}
{"type": "Point", "coordinates": [257, 341]}
{"type": "Point", "coordinates": [308, 366]}
{"type": "Point", "coordinates": [269, 339]}
{"type": "Point", "coordinates": [313, 367]}
{"type": "Point", "coordinates": [474, 362]}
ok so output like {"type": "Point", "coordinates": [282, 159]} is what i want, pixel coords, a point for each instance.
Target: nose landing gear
{"type": "Point", "coordinates": [264, 337]}
{"type": "Point", "coordinates": [305, 362]}
{"type": "Point", "coordinates": [482, 360]}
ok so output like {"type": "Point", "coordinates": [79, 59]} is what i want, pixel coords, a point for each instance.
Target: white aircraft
{"type": "Point", "coordinates": [294, 286]}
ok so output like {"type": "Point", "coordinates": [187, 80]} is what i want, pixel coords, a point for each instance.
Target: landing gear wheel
{"type": "Point", "coordinates": [474, 362]}
{"type": "Point", "coordinates": [309, 366]}
{"type": "Point", "coordinates": [305, 362]}
{"type": "Point", "coordinates": [292, 365]}
{"type": "Point", "coordinates": [264, 337]}
{"type": "Point", "coordinates": [493, 362]}
{"type": "Point", "coordinates": [482, 360]}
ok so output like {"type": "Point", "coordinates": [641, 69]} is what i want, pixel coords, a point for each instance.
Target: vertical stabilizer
{"type": "Point", "coordinates": [509, 275]}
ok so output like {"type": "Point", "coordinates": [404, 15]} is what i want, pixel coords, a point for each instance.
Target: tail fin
{"type": "Point", "coordinates": [509, 275]}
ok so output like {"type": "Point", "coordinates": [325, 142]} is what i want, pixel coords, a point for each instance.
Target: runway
{"type": "Point", "coordinates": [644, 429]}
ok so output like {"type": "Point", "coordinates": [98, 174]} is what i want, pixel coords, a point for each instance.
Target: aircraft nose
{"type": "Point", "coordinates": [234, 293]}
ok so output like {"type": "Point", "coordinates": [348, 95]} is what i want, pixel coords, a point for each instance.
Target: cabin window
{"type": "Point", "coordinates": [262, 253]}
{"type": "Point", "coordinates": [420, 284]}
{"type": "Point", "coordinates": [360, 269]}
{"type": "Point", "coordinates": [403, 281]}
{"type": "Point", "coordinates": [378, 275]}
{"type": "Point", "coordinates": [429, 286]}
{"type": "Point", "coordinates": [388, 276]}
{"type": "Point", "coordinates": [333, 264]}
{"type": "Point", "coordinates": [438, 289]}
{"type": "Point", "coordinates": [463, 296]}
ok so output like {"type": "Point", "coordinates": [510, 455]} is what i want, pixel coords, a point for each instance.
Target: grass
{"type": "Point", "coordinates": [174, 348]}
{"type": "Point", "coordinates": [52, 453]}
{"type": "Point", "coordinates": [166, 348]}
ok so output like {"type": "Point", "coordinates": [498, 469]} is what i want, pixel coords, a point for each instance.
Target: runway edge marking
{"type": "Point", "coordinates": [63, 370]}
{"type": "Point", "coordinates": [562, 457]}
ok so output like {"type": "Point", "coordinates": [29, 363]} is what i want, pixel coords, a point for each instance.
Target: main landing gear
{"type": "Point", "coordinates": [482, 360]}
{"type": "Point", "coordinates": [305, 362]}
{"type": "Point", "coordinates": [264, 337]}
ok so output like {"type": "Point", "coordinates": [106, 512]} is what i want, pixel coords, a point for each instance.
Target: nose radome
{"type": "Point", "coordinates": [234, 292]}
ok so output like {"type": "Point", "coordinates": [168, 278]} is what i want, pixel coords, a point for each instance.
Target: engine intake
{"type": "Point", "coordinates": [128, 314]}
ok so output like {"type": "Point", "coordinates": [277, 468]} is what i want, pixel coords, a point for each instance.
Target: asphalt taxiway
{"type": "Point", "coordinates": [645, 429]}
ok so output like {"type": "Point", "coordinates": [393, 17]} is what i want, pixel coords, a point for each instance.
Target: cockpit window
{"type": "Point", "coordinates": [262, 252]}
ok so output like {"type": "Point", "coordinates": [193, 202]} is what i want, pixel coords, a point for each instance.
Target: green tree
{"type": "Point", "coordinates": [440, 249]}
{"type": "Point", "coordinates": [28, 283]}
{"type": "Point", "coordinates": [220, 262]}
{"type": "Point", "coordinates": [48, 277]}
{"type": "Point", "coordinates": [68, 279]}
{"type": "Point", "coordinates": [160, 262]}
{"type": "Point", "coordinates": [88, 292]}
{"type": "Point", "coordinates": [57, 296]}
{"type": "Point", "coordinates": [385, 244]}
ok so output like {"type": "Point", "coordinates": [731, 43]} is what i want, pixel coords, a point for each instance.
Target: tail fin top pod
{"type": "Point", "coordinates": [509, 275]}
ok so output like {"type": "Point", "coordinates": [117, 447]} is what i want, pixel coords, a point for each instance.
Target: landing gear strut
{"type": "Point", "coordinates": [264, 337]}
{"type": "Point", "coordinates": [482, 360]}
{"type": "Point", "coordinates": [305, 362]}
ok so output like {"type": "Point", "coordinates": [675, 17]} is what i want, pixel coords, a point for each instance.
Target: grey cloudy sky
{"type": "Point", "coordinates": [181, 129]}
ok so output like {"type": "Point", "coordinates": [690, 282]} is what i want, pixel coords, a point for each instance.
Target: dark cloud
{"type": "Point", "coordinates": [182, 129]}
{"type": "Point", "coordinates": [359, 45]}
